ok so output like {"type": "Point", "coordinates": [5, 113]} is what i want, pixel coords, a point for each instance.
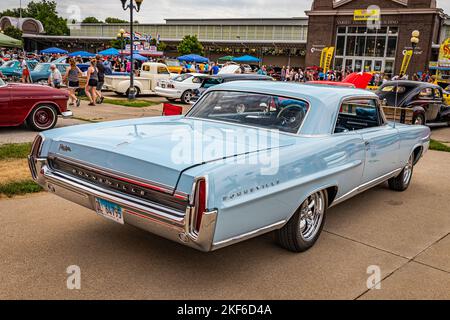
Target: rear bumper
{"type": "Point", "coordinates": [67, 114]}
{"type": "Point", "coordinates": [139, 213]}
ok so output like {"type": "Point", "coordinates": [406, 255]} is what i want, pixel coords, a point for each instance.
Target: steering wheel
{"type": "Point", "coordinates": [291, 116]}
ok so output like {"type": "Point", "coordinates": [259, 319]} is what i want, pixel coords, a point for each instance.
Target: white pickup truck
{"type": "Point", "coordinates": [150, 74]}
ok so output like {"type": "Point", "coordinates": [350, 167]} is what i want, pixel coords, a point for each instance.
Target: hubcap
{"type": "Point", "coordinates": [311, 215]}
{"type": "Point", "coordinates": [187, 97]}
{"type": "Point", "coordinates": [408, 171]}
{"type": "Point", "coordinates": [43, 118]}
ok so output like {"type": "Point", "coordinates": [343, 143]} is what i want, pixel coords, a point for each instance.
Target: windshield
{"type": "Point", "coordinates": [182, 77]}
{"type": "Point", "coordinates": [41, 67]}
{"type": "Point", "coordinates": [258, 110]}
{"type": "Point", "coordinates": [9, 64]}
{"type": "Point", "coordinates": [172, 63]}
{"type": "Point", "coordinates": [211, 82]}
{"type": "Point", "coordinates": [2, 83]}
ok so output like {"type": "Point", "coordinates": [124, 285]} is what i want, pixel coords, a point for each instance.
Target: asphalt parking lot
{"type": "Point", "coordinates": [405, 234]}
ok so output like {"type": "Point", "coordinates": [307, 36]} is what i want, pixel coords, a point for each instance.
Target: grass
{"type": "Point", "coordinates": [438, 146]}
{"type": "Point", "coordinates": [19, 188]}
{"type": "Point", "coordinates": [14, 151]}
{"type": "Point", "coordinates": [127, 103]}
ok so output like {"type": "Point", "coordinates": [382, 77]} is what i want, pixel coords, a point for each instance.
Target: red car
{"type": "Point", "coordinates": [38, 106]}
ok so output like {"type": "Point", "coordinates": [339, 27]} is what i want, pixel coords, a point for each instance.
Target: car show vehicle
{"type": "Point", "coordinates": [250, 157]}
{"type": "Point", "coordinates": [212, 81]}
{"type": "Point", "coordinates": [150, 74]}
{"type": "Point", "coordinates": [13, 68]}
{"type": "Point", "coordinates": [37, 106]}
{"type": "Point", "coordinates": [180, 87]}
{"type": "Point", "coordinates": [426, 100]}
{"type": "Point", "coordinates": [173, 65]}
{"type": "Point", "coordinates": [42, 71]}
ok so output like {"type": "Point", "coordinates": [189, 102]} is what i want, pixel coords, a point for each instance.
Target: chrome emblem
{"type": "Point", "coordinates": [64, 148]}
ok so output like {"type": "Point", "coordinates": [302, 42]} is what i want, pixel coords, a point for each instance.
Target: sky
{"type": "Point", "coordinates": [157, 11]}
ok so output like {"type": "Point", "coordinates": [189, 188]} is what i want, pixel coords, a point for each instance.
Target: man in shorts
{"type": "Point", "coordinates": [101, 79]}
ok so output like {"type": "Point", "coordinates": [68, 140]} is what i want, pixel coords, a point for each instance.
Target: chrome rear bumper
{"type": "Point", "coordinates": [151, 217]}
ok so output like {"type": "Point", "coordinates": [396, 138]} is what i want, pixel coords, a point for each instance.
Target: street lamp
{"type": "Point", "coordinates": [132, 7]}
{"type": "Point", "coordinates": [120, 35]}
{"type": "Point", "coordinates": [415, 39]}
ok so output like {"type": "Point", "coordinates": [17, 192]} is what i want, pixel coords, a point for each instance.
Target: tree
{"type": "Point", "coordinates": [162, 46]}
{"type": "Point", "coordinates": [115, 20]}
{"type": "Point", "coordinates": [91, 20]}
{"type": "Point", "coordinates": [13, 32]}
{"type": "Point", "coordinates": [190, 44]}
{"type": "Point", "coordinates": [10, 13]}
{"type": "Point", "coordinates": [45, 11]}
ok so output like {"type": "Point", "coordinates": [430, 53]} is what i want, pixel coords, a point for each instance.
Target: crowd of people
{"type": "Point", "coordinates": [99, 67]}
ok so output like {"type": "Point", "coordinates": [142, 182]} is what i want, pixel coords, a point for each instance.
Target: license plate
{"type": "Point", "coordinates": [109, 210]}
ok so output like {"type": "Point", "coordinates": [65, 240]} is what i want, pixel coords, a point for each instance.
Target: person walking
{"type": "Point", "coordinates": [101, 80]}
{"type": "Point", "coordinates": [73, 82]}
{"type": "Point", "coordinates": [92, 77]}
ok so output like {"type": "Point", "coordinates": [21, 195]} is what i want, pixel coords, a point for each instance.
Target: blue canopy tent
{"type": "Point", "coordinates": [247, 58]}
{"type": "Point", "coordinates": [83, 54]}
{"type": "Point", "coordinates": [110, 52]}
{"type": "Point", "coordinates": [193, 58]}
{"type": "Point", "coordinates": [54, 50]}
{"type": "Point", "coordinates": [137, 56]}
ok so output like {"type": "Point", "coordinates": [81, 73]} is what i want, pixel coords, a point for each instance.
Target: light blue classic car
{"type": "Point", "coordinates": [248, 158]}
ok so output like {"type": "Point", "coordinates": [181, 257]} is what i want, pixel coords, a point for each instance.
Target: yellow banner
{"type": "Point", "coordinates": [406, 61]}
{"type": "Point", "coordinates": [322, 57]}
{"type": "Point", "coordinates": [366, 15]}
{"type": "Point", "coordinates": [328, 59]}
{"type": "Point", "coordinates": [444, 52]}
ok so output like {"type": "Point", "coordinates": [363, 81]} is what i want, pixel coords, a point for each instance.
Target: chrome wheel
{"type": "Point", "coordinates": [407, 173]}
{"type": "Point", "coordinates": [187, 96]}
{"type": "Point", "coordinates": [311, 215]}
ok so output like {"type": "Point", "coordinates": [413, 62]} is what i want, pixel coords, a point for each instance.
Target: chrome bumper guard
{"type": "Point", "coordinates": [67, 114]}
{"type": "Point", "coordinates": [176, 226]}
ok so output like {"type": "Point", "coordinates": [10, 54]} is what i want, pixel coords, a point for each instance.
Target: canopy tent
{"type": "Point", "coordinates": [193, 58]}
{"type": "Point", "coordinates": [226, 58]}
{"type": "Point", "coordinates": [6, 41]}
{"type": "Point", "coordinates": [54, 50]}
{"type": "Point", "coordinates": [83, 54]}
{"type": "Point", "coordinates": [246, 58]}
{"type": "Point", "coordinates": [137, 56]}
{"type": "Point", "coordinates": [110, 52]}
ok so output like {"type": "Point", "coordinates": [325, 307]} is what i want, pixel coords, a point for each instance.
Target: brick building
{"type": "Point", "coordinates": [375, 44]}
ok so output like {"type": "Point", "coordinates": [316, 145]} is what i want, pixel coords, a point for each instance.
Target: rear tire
{"type": "Point", "coordinates": [403, 180]}
{"type": "Point", "coordinates": [43, 117]}
{"type": "Point", "coordinates": [138, 92]}
{"type": "Point", "coordinates": [305, 226]}
{"type": "Point", "coordinates": [186, 97]}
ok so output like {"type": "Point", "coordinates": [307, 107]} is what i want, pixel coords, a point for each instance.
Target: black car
{"type": "Point", "coordinates": [426, 99]}
{"type": "Point", "coordinates": [223, 78]}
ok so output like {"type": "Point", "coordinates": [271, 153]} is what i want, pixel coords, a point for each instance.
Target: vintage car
{"type": "Point", "coordinates": [180, 87]}
{"type": "Point", "coordinates": [13, 68]}
{"type": "Point", "coordinates": [425, 99]}
{"type": "Point", "coordinates": [215, 80]}
{"type": "Point", "coordinates": [37, 106]}
{"type": "Point", "coordinates": [250, 157]}
{"type": "Point", "coordinates": [42, 71]}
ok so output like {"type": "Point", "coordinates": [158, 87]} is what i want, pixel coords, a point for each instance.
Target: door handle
{"type": "Point", "coordinates": [367, 144]}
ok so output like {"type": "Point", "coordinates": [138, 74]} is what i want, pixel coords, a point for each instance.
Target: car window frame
{"type": "Point", "coordinates": [381, 116]}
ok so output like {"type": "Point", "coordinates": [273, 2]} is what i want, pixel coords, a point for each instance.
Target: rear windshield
{"type": "Point", "coordinates": [211, 82]}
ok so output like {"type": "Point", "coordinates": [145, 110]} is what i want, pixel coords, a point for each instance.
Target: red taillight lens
{"type": "Point", "coordinates": [200, 202]}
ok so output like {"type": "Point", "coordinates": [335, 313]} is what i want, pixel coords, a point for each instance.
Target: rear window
{"type": "Point", "coordinates": [397, 89]}
{"type": "Point", "coordinates": [211, 82]}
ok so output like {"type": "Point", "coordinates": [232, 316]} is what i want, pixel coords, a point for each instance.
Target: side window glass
{"type": "Point", "coordinates": [437, 94]}
{"type": "Point", "coordinates": [163, 70]}
{"type": "Point", "coordinates": [426, 93]}
{"type": "Point", "coordinates": [357, 115]}
{"type": "Point", "coordinates": [146, 68]}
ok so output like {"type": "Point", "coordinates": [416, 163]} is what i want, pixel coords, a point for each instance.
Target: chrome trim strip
{"type": "Point", "coordinates": [248, 235]}
{"type": "Point", "coordinates": [86, 165]}
{"type": "Point", "coordinates": [365, 186]}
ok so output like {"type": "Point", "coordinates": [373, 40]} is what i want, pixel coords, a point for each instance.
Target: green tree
{"type": "Point", "coordinates": [11, 13]}
{"type": "Point", "coordinates": [91, 20]}
{"type": "Point", "coordinates": [13, 32]}
{"type": "Point", "coordinates": [115, 20]}
{"type": "Point", "coordinates": [45, 11]}
{"type": "Point", "coordinates": [190, 44]}
{"type": "Point", "coordinates": [162, 46]}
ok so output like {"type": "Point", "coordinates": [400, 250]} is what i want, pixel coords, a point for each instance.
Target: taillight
{"type": "Point", "coordinates": [36, 147]}
{"type": "Point", "coordinates": [200, 202]}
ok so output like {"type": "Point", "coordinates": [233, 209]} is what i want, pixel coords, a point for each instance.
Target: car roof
{"type": "Point", "coordinates": [324, 100]}
{"type": "Point", "coordinates": [410, 83]}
